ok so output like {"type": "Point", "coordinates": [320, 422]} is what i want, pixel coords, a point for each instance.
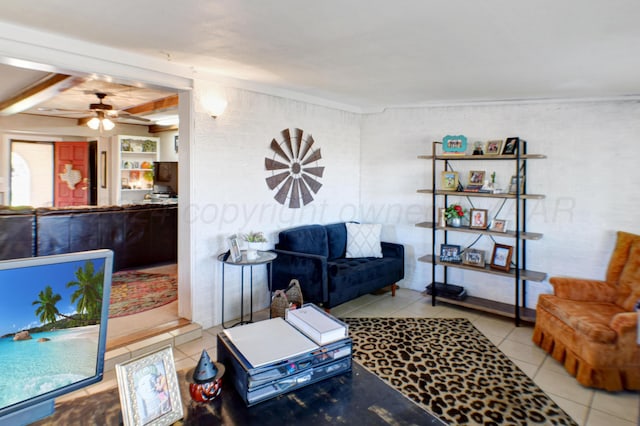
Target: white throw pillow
{"type": "Point", "coordinates": [363, 240]}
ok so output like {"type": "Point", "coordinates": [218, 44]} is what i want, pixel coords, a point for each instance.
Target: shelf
{"type": "Point", "coordinates": [136, 189]}
{"type": "Point", "coordinates": [525, 274]}
{"type": "Point", "coordinates": [482, 157]}
{"type": "Point", "coordinates": [481, 194]}
{"type": "Point", "coordinates": [517, 309]}
{"type": "Point", "coordinates": [139, 152]}
{"type": "Point", "coordinates": [508, 234]}
{"type": "Point", "coordinates": [491, 306]}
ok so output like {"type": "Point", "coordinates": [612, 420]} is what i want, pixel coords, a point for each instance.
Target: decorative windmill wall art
{"type": "Point", "coordinates": [294, 169]}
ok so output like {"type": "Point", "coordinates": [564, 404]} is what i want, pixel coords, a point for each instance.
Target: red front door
{"type": "Point", "coordinates": [71, 180]}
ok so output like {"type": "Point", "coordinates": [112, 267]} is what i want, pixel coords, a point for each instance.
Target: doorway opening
{"type": "Point", "coordinates": [31, 178]}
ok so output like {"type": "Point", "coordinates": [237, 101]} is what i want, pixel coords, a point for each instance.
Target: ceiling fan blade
{"type": "Point", "coordinates": [127, 116]}
{"type": "Point", "coordinates": [64, 110]}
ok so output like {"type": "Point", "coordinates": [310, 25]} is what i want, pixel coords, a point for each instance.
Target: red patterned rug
{"type": "Point", "coordinates": [133, 292]}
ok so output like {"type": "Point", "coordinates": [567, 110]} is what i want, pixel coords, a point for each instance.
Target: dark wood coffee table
{"type": "Point", "coordinates": [359, 397]}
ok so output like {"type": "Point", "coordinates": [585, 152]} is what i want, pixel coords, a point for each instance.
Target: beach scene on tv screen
{"type": "Point", "coordinates": [49, 327]}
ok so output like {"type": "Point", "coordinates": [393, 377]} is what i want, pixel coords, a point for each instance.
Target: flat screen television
{"type": "Point", "coordinates": [165, 178]}
{"type": "Point", "coordinates": [53, 330]}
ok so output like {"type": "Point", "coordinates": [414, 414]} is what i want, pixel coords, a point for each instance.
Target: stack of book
{"type": "Point", "coordinates": [317, 325]}
{"type": "Point", "coordinates": [268, 358]}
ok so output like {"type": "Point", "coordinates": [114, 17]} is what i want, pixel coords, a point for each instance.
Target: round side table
{"type": "Point", "coordinates": [264, 257]}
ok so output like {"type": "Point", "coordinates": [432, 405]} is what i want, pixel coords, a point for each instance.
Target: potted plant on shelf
{"type": "Point", "coordinates": [253, 239]}
{"type": "Point", "coordinates": [454, 215]}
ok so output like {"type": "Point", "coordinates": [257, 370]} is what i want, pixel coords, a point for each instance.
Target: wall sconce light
{"type": "Point", "coordinates": [215, 107]}
{"type": "Point", "coordinates": [100, 122]}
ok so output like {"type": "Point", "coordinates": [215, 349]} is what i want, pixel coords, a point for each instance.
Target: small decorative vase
{"type": "Point", "coordinates": [455, 222]}
{"type": "Point", "coordinates": [252, 251]}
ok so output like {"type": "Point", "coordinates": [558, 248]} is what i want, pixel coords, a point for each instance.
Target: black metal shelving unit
{"type": "Point", "coordinates": [519, 273]}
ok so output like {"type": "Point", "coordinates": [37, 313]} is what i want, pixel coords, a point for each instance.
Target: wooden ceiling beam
{"type": "Point", "coordinates": [157, 105]}
{"type": "Point", "coordinates": [45, 89]}
{"type": "Point", "coordinates": [156, 128]}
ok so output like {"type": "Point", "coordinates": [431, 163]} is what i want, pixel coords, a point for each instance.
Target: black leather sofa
{"type": "Point", "coordinates": [139, 235]}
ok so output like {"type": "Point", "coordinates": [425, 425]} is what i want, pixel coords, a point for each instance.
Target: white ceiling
{"type": "Point", "coordinates": [373, 53]}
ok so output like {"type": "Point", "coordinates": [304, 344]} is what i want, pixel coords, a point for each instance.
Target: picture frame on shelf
{"type": "Point", "coordinates": [498, 225]}
{"type": "Point", "coordinates": [449, 180]}
{"type": "Point", "coordinates": [478, 218]}
{"type": "Point", "coordinates": [501, 257]}
{"type": "Point", "coordinates": [125, 145]}
{"type": "Point", "coordinates": [476, 179]}
{"type": "Point", "coordinates": [493, 147]}
{"type": "Point", "coordinates": [450, 253]}
{"type": "Point", "coordinates": [149, 390]}
{"type": "Point", "coordinates": [513, 184]}
{"type": "Point", "coordinates": [454, 144]}
{"type": "Point", "coordinates": [234, 248]}
{"type": "Point", "coordinates": [510, 146]}
{"type": "Point", "coordinates": [473, 257]}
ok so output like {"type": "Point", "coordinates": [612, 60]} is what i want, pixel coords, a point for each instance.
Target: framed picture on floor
{"type": "Point", "coordinates": [501, 258]}
{"type": "Point", "coordinates": [149, 391]}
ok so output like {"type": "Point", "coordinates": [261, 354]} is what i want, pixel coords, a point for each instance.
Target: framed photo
{"type": "Point", "coordinates": [513, 184]}
{"type": "Point", "coordinates": [149, 391]}
{"type": "Point", "coordinates": [449, 180]}
{"type": "Point", "coordinates": [501, 258]}
{"type": "Point", "coordinates": [450, 253]}
{"type": "Point", "coordinates": [478, 218]}
{"type": "Point", "coordinates": [498, 225]}
{"type": "Point", "coordinates": [476, 177]}
{"type": "Point", "coordinates": [454, 144]}
{"type": "Point", "coordinates": [510, 146]}
{"type": "Point", "coordinates": [473, 257]}
{"type": "Point", "coordinates": [234, 249]}
{"type": "Point", "coordinates": [493, 147]}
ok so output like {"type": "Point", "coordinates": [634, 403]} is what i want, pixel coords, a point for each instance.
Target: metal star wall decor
{"type": "Point", "coordinates": [294, 168]}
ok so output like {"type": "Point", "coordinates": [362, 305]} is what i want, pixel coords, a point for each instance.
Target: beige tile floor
{"type": "Point", "coordinates": [588, 407]}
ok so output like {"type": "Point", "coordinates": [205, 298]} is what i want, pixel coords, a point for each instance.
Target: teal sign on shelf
{"type": "Point", "coordinates": [457, 143]}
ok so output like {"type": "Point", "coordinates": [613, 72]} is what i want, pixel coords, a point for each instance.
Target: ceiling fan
{"type": "Point", "coordinates": [100, 112]}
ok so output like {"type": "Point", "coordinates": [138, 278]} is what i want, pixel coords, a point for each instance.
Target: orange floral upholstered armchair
{"type": "Point", "coordinates": [590, 326]}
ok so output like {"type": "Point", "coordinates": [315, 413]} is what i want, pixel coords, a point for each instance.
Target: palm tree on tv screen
{"type": "Point", "coordinates": [47, 311]}
{"type": "Point", "coordinates": [89, 292]}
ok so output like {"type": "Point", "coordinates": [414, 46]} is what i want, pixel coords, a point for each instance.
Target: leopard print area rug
{"type": "Point", "coordinates": [452, 370]}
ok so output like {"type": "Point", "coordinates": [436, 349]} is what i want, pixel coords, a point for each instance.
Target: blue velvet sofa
{"type": "Point", "coordinates": [315, 256]}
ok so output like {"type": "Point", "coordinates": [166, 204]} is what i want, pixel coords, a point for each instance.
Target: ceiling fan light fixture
{"type": "Point", "coordinates": [107, 124]}
{"type": "Point", "coordinates": [94, 123]}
